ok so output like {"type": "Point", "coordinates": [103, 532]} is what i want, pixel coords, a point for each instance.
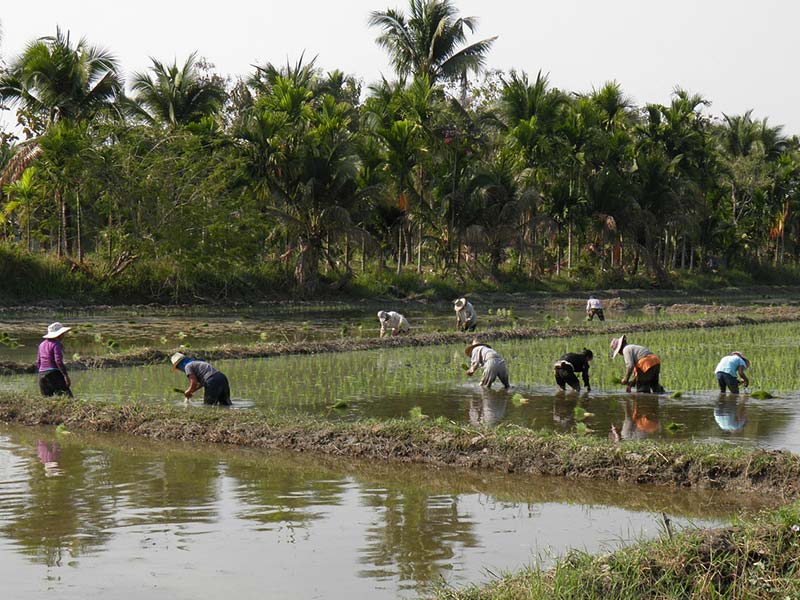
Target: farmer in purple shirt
{"type": "Point", "coordinates": [53, 378]}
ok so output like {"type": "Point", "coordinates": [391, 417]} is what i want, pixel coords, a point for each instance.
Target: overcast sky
{"type": "Point", "coordinates": [738, 54]}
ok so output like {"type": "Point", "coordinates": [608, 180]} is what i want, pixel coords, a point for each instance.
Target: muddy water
{"type": "Point", "coordinates": [90, 517]}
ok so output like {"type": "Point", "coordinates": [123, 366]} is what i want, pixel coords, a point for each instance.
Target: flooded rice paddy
{"type": "Point", "coordinates": [430, 381]}
{"type": "Point", "coordinates": [115, 517]}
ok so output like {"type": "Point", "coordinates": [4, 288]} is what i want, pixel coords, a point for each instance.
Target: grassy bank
{"type": "Point", "coordinates": [439, 442]}
{"type": "Point", "coordinates": [145, 356]}
{"type": "Point", "coordinates": [756, 557]}
{"type": "Point", "coordinates": [31, 278]}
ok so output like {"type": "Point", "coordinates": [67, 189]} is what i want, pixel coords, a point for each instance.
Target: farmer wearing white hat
{"type": "Point", "coordinates": [466, 319]}
{"type": "Point", "coordinates": [494, 367]}
{"type": "Point", "coordinates": [393, 321]}
{"type": "Point", "coordinates": [53, 378]}
{"type": "Point", "coordinates": [729, 370]}
{"type": "Point", "coordinates": [642, 366]}
{"type": "Point", "coordinates": [202, 375]}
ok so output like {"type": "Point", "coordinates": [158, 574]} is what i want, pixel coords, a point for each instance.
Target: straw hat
{"type": "Point", "coordinates": [740, 355]}
{"type": "Point", "coordinates": [475, 343]}
{"type": "Point", "coordinates": [176, 359]}
{"type": "Point", "coordinates": [460, 303]}
{"type": "Point", "coordinates": [55, 330]}
{"type": "Point", "coordinates": [382, 315]}
{"type": "Point", "coordinates": [616, 345]}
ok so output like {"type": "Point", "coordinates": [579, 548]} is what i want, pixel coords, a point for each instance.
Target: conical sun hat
{"type": "Point", "coordinates": [176, 359]}
{"type": "Point", "coordinates": [460, 303]}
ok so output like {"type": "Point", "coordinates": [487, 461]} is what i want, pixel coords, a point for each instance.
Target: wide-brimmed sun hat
{"type": "Point", "coordinates": [382, 315]}
{"type": "Point", "coordinates": [55, 330]}
{"type": "Point", "coordinates": [475, 343]}
{"type": "Point", "coordinates": [176, 359]}
{"type": "Point", "coordinates": [460, 303]}
{"type": "Point", "coordinates": [742, 356]}
{"type": "Point", "coordinates": [616, 345]}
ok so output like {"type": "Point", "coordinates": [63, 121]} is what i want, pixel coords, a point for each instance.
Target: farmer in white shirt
{"type": "Point", "coordinates": [494, 367]}
{"type": "Point", "coordinates": [594, 307]}
{"type": "Point", "coordinates": [466, 319]}
{"type": "Point", "coordinates": [393, 321]}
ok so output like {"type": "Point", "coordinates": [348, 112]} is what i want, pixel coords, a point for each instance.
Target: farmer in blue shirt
{"type": "Point", "coordinates": [729, 370]}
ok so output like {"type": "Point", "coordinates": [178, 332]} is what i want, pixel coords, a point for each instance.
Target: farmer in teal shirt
{"type": "Point", "coordinates": [729, 370]}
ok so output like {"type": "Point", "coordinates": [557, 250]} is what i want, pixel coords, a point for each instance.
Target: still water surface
{"type": "Point", "coordinates": [119, 518]}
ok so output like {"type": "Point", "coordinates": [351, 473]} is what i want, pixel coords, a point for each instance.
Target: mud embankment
{"type": "Point", "coordinates": [508, 449]}
{"type": "Point", "coordinates": [148, 356]}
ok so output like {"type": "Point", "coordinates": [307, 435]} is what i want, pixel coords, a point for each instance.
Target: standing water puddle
{"type": "Point", "coordinates": [114, 517]}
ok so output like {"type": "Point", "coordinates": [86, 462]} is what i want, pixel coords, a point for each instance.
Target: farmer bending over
{"type": "Point", "coordinates": [641, 364]}
{"type": "Point", "coordinates": [494, 367]}
{"type": "Point", "coordinates": [571, 363]}
{"type": "Point", "coordinates": [728, 371]}
{"type": "Point", "coordinates": [594, 307]}
{"type": "Point", "coordinates": [466, 319]}
{"type": "Point", "coordinates": [203, 375]}
{"type": "Point", "coordinates": [393, 321]}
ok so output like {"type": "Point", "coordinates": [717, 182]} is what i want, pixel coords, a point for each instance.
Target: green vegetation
{"type": "Point", "coordinates": [292, 180]}
{"type": "Point", "coordinates": [754, 558]}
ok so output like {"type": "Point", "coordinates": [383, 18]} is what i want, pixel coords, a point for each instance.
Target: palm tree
{"type": "Point", "coordinates": [52, 80]}
{"type": "Point", "coordinates": [430, 41]}
{"type": "Point", "coordinates": [177, 95]}
{"type": "Point", "coordinates": [62, 88]}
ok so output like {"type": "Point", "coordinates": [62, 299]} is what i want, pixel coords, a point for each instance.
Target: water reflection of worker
{"type": "Point", "coordinates": [594, 307]}
{"type": "Point", "coordinates": [728, 371]}
{"type": "Point", "coordinates": [393, 321]}
{"type": "Point", "coordinates": [49, 453]}
{"type": "Point", "coordinates": [466, 319]}
{"type": "Point", "coordinates": [216, 389]}
{"type": "Point", "coordinates": [641, 418]}
{"type": "Point", "coordinates": [494, 367]}
{"type": "Point", "coordinates": [567, 367]}
{"type": "Point", "coordinates": [489, 409]}
{"type": "Point", "coordinates": [729, 414]}
{"type": "Point", "coordinates": [564, 410]}
{"type": "Point", "coordinates": [642, 367]}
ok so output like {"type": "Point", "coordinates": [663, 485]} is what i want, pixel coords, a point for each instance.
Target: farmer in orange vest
{"type": "Point", "coordinates": [642, 366]}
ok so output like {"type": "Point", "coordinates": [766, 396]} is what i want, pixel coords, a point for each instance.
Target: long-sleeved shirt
{"type": "Point", "coordinates": [593, 303]}
{"type": "Point", "coordinates": [466, 315]}
{"type": "Point", "coordinates": [481, 355]}
{"type": "Point", "coordinates": [632, 355]}
{"type": "Point", "coordinates": [50, 357]}
{"type": "Point", "coordinates": [730, 364]}
{"type": "Point", "coordinates": [579, 365]}
{"type": "Point", "coordinates": [394, 321]}
{"type": "Point", "coordinates": [201, 370]}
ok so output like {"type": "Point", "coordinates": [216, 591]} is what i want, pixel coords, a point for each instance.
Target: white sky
{"type": "Point", "coordinates": [738, 54]}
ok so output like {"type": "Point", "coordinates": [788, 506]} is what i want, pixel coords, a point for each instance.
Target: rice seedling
{"type": "Point", "coordinates": [416, 413]}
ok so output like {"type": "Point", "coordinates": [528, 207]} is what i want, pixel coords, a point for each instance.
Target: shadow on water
{"type": "Point", "coordinates": [221, 520]}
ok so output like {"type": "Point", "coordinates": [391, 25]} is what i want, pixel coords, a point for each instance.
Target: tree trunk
{"type": "Point", "coordinates": [419, 250]}
{"type": "Point", "coordinates": [78, 224]}
{"type": "Point", "coordinates": [306, 270]}
{"type": "Point", "coordinates": [399, 249]}
{"type": "Point", "coordinates": [569, 248]}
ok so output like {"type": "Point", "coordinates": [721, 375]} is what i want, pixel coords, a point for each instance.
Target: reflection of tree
{"type": "Point", "coordinates": [278, 491]}
{"type": "Point", "coordinates": [418, 534]}
{"type": "Point", "coordinates": [61, 514]}
{"type": "Point", "coordinates": [76, 511]}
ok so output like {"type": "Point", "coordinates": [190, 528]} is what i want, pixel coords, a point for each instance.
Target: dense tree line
{"type": "Point", "coordinates": [305, 172]}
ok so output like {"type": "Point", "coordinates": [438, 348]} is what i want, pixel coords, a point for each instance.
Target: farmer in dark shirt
{"type": "Point", "coordinates": [571, 363]}
{"type": "Point", "coordinates": [203, 375]}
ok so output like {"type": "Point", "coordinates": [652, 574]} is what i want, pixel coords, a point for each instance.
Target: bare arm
{"type": "Point", "coordinates": [194, 385]}
{"type": "Point", "coordinates": [745, 380]}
